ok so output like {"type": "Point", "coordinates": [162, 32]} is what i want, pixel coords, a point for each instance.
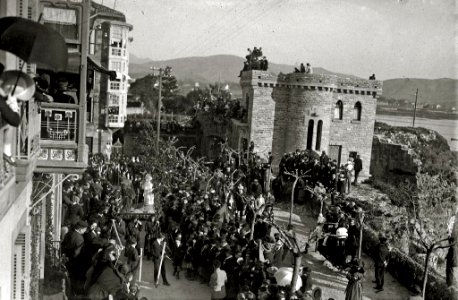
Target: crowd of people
{"type": "Point", "coordinates": [255, 60]}
{"type": "Point", "coordinates": [214, 223]}
{"type": "Point", "coordinates": [221, 108]}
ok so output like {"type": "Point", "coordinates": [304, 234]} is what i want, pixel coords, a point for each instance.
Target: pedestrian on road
{"type": "Point", "coordinates": [157, 257]}
{"type": "Point", "coordinates": [218, 281]}
{"type": "Point", "coordinates": [354, 290]}
{"type": "Point", "coordinates": [381, 261]}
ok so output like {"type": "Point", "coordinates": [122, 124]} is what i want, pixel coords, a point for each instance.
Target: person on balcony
{"type": "Point", "coordinates": [62, 92]}
{"type": "Point", "coordinates": [24, 88]}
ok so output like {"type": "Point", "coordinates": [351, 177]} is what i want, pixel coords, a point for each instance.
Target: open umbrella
{"type": "Point", "coordinates": [33, 43]}
{"type": "Point", "coordinates": [284, 276]}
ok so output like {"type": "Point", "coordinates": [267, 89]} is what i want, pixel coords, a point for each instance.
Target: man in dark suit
{"type": "Point", "coordinates": [157, 256]}
{"type": "Point", "coordinates": [133, 259]}
{"type": "Point", "coordinates": [358, 168]}
{"type": "Point", "coordinates": [381, 261]}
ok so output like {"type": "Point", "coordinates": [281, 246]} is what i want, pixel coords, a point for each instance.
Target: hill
{"type": "Point", "coordinates": [209, 69]}
{"type": "Point", "coordinates": [441, 91]}
{"type": "Point", "coordinates": [226, 68]}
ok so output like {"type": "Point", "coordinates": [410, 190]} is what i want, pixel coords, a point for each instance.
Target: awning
{"type": "Point", "coordinates": [93, 64]}
{"type": "Point", "coordinates": [124, 77]}
{"type": "Point", "coordinates": [74, 62]}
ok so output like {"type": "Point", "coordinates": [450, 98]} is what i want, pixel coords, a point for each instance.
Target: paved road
{"type": "Point", "coordinates": [181, 289]}
{"type": "Point", "coordinates": [333, 282]}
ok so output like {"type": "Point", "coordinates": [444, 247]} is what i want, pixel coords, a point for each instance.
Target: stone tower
{"type": "Point", "coordinates": [310, 111]}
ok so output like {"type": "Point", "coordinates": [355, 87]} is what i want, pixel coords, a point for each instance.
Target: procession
{"type": "Point", "coordinates": [215, 225]}
{"type": "Point", "coordinates": [239, 150]}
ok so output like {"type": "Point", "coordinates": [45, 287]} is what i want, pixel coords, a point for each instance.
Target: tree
{"type": "Point", "coordinates": [451, 269]}
{"type": "Point", "coordinates": [147, 88]}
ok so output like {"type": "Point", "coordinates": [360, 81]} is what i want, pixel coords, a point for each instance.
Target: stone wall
{"type": "Point", "coordinates": [353, 135]}
{"type": "Point", "coordinates": [283, 110]}
{"type": "Point", "coordinates": [391, 161]}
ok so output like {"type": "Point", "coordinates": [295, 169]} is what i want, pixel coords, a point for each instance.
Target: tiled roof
{"type": "Point", "coordinates": [105, 10]}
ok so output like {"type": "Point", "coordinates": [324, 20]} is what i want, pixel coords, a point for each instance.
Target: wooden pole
{"type": "Point", "coordinates": [160, 263]}
{"type": "Point", "coordinates": [415, 108]}
{"type": "Point", "coordinates": [292, 199]}
{"type": "Point", "coordinates": [361, 227]}
{"type": "Point", "coordinates": [141, 265]}
{"type": "Point", "coordinates": [158, 128]}
{"type": "Point", "coordinates": [297, 265]}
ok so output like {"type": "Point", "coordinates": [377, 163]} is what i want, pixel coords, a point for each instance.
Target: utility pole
{"type": "Point", "coordinates": [415, 108]}
{"type": "Point", "coordinates": [158, 128]}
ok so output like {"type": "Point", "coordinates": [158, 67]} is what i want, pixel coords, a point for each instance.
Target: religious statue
{"type": "Point", "coordinates": [148, 193]}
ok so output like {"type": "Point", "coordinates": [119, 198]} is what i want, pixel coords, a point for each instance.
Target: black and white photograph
{"type": "Point", "coordinates": [228, 150]}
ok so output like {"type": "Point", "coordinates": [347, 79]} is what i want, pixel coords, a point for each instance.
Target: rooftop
{"type": "Point", "coordinates": [109, 12]}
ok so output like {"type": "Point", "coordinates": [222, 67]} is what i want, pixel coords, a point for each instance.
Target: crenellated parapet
{"type": "Point", "coordinates": [319, 82]}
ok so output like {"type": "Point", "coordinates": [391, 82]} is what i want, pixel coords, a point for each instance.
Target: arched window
{"type": "Point", "coordinates": [357, 111]}
{"type": "Point", "coordinates": [319, 128]}
{"type": "Point", "coordinates": [338, 110]}
{"type": "Point", "coordinates": [310, 134]}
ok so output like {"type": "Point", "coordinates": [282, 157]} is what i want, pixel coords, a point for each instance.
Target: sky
{"type": "Point", "coordinates": [391, 38]}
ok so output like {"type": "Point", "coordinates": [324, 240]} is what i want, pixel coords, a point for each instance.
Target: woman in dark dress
{"type": "Point", "coordinates": [103, 279]}
{"type": "Point", "coordinates": [354, 290]}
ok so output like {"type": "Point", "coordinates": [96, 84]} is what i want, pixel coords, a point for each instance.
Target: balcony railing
{"type": "Point", "coordinates": [59, 122]}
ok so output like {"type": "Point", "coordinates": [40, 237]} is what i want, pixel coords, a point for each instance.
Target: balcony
{"type": "Point", "coordinates": [60, 149]}
{"type": "Point", "coordinates": [115, 121]}
{"type": "Point", "coordinates": [59, 123]}
{"type": "Point", "coordinates": [27, 141]}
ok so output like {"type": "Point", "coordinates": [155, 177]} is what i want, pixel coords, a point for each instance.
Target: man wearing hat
{"type": "Point", "coordinates": [133, 259]}
{"type": "Point", "coordinates": [157, 257]}
{"type": "Point", "coordinates": [72, 246]}
{"type": "Point", "coordinates": [381, 261]}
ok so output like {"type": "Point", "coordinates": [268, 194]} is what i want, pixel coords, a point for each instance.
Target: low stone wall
{"type": "Point", "coordinates": [407, 271]}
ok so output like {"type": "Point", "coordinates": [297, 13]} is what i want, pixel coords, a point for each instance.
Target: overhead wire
{"type": "Point", "coordinates": [239, 28]}
{"type": "Point", "coordinates": [242, 24]}
{"type": "Point", "coordinates": [218, 28]}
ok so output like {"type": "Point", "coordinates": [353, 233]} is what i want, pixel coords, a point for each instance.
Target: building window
{"type": "Point", "coordinates": [63, 20]}
{"type": "Point", "coordinates": [114, 99]}
{"type": "Point", "coordinates": [357, 111]}
{"type": "Point", "coordinates": [338, 110]}
{"type": "Point", "coordinates": [112, 118]}
{"type": "Point", "coordinates": [116, 51]}
{"type": "Point", "coordinates": [310, 134]}
{"type": "Point", "coordinates": [115, 85]}
{"type": "Point", "coordinates": [247, 101]}
{"type": "Point", "coordinates": [116, 66]}
{"type": "Point", "coordinates": [319, 128]}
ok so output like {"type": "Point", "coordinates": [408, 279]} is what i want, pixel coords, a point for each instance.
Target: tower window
{"type": "Point", "coordinates": [319, 128]}
{"type": "Point", "coordinates": [357, 111]}
{"type": "Point", "coordinates": [338, 110]}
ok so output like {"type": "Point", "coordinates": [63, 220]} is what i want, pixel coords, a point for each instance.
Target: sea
{"type": "Point", "coordinates": [447, 128]}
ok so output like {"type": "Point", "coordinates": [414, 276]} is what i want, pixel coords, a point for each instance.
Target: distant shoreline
{"type": "Point", "coordinates": [435, 115]}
